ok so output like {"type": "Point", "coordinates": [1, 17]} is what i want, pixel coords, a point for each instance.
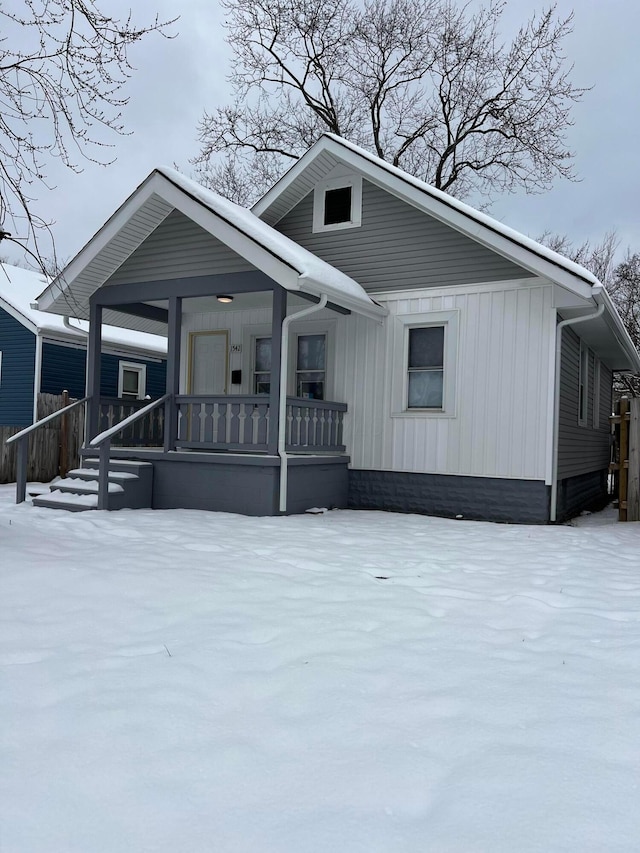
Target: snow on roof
{"type": "Point", "coordinates": [467, 210]}
{"type": "Point", "coordinates": [306, 264]}
{"type": "Point", "coordinates": [19, 288]}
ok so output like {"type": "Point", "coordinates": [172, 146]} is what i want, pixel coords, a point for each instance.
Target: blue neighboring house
{"type": "Point", "coordinates": [39, 353]}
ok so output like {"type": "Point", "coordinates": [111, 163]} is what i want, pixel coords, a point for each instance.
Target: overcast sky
{"type": "Point", "coordinates": [176, 79]}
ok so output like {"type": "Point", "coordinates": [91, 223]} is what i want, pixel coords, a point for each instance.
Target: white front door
{"type": "Point", "coordinates": [208, 353]}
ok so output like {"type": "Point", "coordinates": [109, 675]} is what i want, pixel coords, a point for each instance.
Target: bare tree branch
{"type": "Point", "coordinates": [62, 66]}
{"type": "Point", "coordinates": [426, 84]}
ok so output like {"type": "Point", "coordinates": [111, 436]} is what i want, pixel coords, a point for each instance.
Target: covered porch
{"type": "Point", "coordinates": [246, 424]}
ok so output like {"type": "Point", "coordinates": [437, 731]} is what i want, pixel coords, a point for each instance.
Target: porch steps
{"type": "Point", "coordinates": [130, 487]}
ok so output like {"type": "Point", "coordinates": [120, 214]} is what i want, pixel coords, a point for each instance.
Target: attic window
{"type": "Point", "coordinates": [337, 204]}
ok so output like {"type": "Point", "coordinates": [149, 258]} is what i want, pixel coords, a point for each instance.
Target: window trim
{"type": "Point", "coordinates": [312, 327]}
{"type": "Point", "coordinates": [400, 387]}
{"type": "Point", "coordinates": [319, 193]}
{"type": "Point", "coordinates": [597, 379]}
{"type": "Point", "coordinates": [135, 367]}
{"type": "Point", "coordinates": [583, 385]}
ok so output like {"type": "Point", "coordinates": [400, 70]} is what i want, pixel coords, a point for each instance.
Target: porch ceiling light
{"type": "Point", "coordinates": [224, 298]}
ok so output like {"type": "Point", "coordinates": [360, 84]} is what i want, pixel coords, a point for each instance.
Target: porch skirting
{"type": "Point", "coordinates": [476, 498]}
{"type": "Point", "coordinates": [242, 483]}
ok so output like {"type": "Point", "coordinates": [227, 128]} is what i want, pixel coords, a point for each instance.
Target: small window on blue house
{"type": "Point", "coordinates": [132, 380]}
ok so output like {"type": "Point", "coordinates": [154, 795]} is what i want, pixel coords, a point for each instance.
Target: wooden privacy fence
{"type": "Point", "coordinates": [625, 466]}
{"type": "Point", "coordinates": [53, 449]}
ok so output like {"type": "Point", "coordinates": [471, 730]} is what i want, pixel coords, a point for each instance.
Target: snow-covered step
{"type": "Point", "coordinates": [86, 487]}
{"type": "Point", "coordinates": [67, 500]}
{"type": "Point", "coordinates": [130, 486]}
{"type": "Point", "coordinates": [92, 473]}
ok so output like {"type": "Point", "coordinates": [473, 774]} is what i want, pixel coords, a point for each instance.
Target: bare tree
{"type": "Point", "coordinates": [62, 66]}
{"type": "Point", "coordinates": [624, 288]}
{"type": "Point", "coordinates": [598, 258]}
{"type": "Point", "coordinates": [425, 84]}
{"type": "Point", "coordinates": [622, 281]}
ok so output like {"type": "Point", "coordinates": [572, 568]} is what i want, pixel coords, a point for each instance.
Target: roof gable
{"type": "Point", "coordinates": [331, 150]}
{"type": "Point", "coordinates": [165, 190]}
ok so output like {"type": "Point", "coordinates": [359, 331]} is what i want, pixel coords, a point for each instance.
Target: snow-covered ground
{"type": "Point", "coordinates": [350, 682]}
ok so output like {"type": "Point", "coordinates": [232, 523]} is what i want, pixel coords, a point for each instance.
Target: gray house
{"type": "Point", "coordinates": [357, 339]}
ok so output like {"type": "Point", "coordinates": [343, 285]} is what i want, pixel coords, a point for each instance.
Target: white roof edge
{"type": "Point", "coordinates": [286, 262]}
{"type": "Point", "coordinates": [603, 297]}
{"type": "Point", "coordinates": [99, 240]}
{"type": "Point", "coordinates": [18, 315]}
{"type": "Point", "coordinates": [479, 226]}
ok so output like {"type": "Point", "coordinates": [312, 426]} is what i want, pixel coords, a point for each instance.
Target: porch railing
{"type": "Point", "coordinates": [22, 439]}
{"type": "Point", "coordinates": [148, 431]}
{"type": "Point", "coordinates": [242, 423]}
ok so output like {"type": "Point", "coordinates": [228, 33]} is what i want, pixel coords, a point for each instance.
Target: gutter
{"type": "Point", "coordinates": [598, 292]}
{"type": "Point", "coordinates": [282, 416]}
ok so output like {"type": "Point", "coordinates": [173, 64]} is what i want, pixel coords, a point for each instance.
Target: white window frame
{"type": "Point", "coordinates": [583, 385]}
{"type": "Point", "coordinates": [318, 327]}
{"type": "Point", "coordinates": [319, 193]}
{"type": "Point", "coordinates": [134, 367]}
{"type": "Point", "coordinates": [597, 375]}
{"type": "Point", "coordinates": [400, 385]}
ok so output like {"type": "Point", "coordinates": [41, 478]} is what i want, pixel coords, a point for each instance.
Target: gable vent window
{"type": "Point", "coordinates": [337, 204]}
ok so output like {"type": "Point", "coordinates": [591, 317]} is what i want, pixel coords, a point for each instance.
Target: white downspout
{"type": "Point", "coordinates": [282, 417]}
{"type": "Point", "coordinates": [37, 374]}
{"type": "Point", "coordinates": [556, 400]}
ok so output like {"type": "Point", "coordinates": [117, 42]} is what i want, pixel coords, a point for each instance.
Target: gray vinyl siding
{"type": "Point", "coordinates": [581, 449]}
{"type": "Point", "coordinates": [397, 246]}
{"type": "Point", "coordinates": [178, 248]}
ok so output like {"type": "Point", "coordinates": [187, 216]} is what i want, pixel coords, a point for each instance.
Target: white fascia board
{"type": "Point", "coordinates": [232, 236]}
{"type": "Point", "coordinates": [290, 176]}
{"type": "Point", "coordinates": [261, 257]}
{"type": "Point", "coordinates": [445, 212]}
{"type": "Point", "coordinates": [17, 315]}
{"type": "Point", "coordinates": [111, 228]}
{"type": "Point", "coordinates": [463, 223]}
{"type": "Point", "coordinates": [614, 321]}
{"type": "Point", "coordinates": [368, 309]}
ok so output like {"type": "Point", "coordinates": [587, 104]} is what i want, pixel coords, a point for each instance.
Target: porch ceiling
{"type": "Point", "coordinates": [277, 257]}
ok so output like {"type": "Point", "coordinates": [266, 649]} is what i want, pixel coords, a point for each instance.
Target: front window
{"type": "Point", "coordinates": [262, 366]}
{"type": "Point", "coordinates": [310, 366]}
{"type": "Point", "coordinates": [131, 381]}
{"type": "Point", "coordinates": [426, 368]}
{"type": "Point", "coordinates": [583, 385]}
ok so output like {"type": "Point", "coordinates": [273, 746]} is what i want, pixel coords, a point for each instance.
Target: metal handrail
{"type": "Point", "coordinates": [22, 454]}
{"type": "Point", "coordinates": [103, 443]}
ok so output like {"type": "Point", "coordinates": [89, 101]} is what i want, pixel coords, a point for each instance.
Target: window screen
{"type": "Point", "coordinates": [426, 368]}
